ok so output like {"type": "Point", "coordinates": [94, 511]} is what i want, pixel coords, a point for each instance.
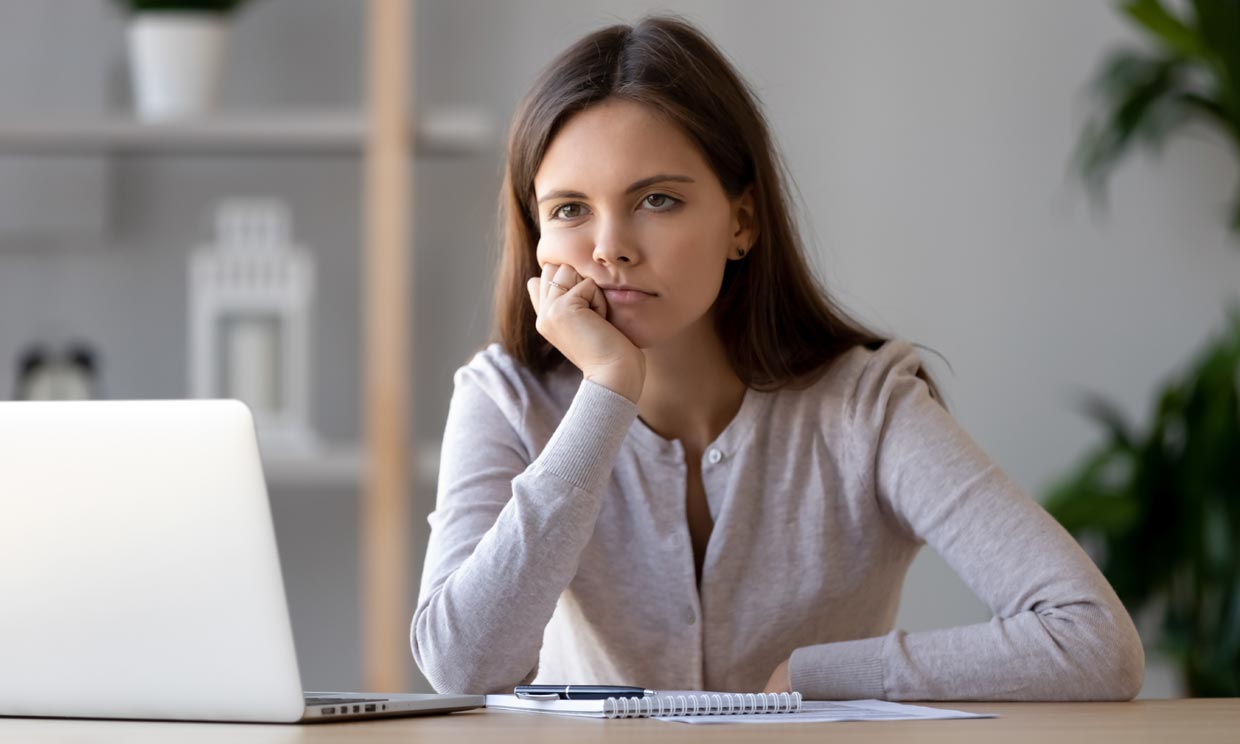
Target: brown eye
{"type": "Point", "coordinates": [660, 202]}
{"type": "Point", "coordinates": [559, 214]}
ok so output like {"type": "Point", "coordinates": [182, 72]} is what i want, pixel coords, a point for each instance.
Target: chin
{"type": "Point", "coordinates": [641, 341]}
{"type": "Point", "coordinates": [635, 333]}
{"type": "Point", "coordinates": [647, 332]}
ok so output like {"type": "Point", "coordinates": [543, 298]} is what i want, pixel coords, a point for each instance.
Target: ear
{"type": "Point", "coordinates": [744, 224]}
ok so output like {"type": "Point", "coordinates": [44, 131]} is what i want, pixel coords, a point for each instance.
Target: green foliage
{"type": "Point", "coordinates": [223, 7]}
{"type": "Point", "coordinates": [1165, 507]}
{"type": "Point", "coordinates": [1193, 73]}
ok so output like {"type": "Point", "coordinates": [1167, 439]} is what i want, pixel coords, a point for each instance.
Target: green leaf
{"type": "Point", "coordinates": [1207, 107]}
{"type": "Point", "coordinates": [1137, 88]}
{"type": "Point", "coordinates": [1172, 33]}
{"type": "Point", "coordinates": [1218, 25]}
{"type": "Point", "coordinates": [1192, 72]}
{"type": "Point", "coordinates": [1110, 417]}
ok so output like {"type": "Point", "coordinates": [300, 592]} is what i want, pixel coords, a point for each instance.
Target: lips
{"type": "Point", "coordinates": [624, 288]}
{"type": "Point", "coordinates": [626, 296]}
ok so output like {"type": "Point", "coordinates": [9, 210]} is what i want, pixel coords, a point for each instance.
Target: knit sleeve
{"type": "Point", "coordinates": [507, 532]}
{"type": "Point", "coordinates": [1058, 631]}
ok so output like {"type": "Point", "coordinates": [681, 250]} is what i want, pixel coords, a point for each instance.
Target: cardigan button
{"type": "Point", "coordinates": [714, 456]}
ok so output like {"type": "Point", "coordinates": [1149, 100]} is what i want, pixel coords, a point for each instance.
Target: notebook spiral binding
{"type": "Point", "coordinates": [702, 705]}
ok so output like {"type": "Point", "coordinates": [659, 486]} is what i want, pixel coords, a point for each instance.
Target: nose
{"type": "Point", "coordinates": [612, 246]}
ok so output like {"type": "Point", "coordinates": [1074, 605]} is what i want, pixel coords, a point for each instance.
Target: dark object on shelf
{"type": "Point", "coordinates": [223, 7]}
{"type": "Point", "coordinates": [71, 374]}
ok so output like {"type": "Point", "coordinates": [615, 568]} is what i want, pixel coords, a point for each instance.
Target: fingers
{"type": "Point", "coordinates": [555, 281]}
{"type": "Point", "coordinates": [531, 286]}
{"type": "Point", "coordinates": [542, 289]}
{"type": "Point", "coordinates": [540, 286]}
{"type": "Point", "coordinates": [566, 276]}
{"type": "Point", "coordinates": [598, 300]}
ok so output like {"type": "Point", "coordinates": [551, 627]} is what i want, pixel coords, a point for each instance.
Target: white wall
{"type": "Point", "coordinates": [930, 143]}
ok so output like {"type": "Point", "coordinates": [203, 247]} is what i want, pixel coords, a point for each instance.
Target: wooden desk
{"type": "Point", "coordinates": [1154, 721]}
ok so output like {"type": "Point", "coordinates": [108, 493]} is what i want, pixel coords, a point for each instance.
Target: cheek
{"type": "Point", "coordinates": [559, 247]}
{"type": "Point", "coordinates": [694, 239]}
{"type": "Point", "coordinates": [695, 263]}
{"type": "Point", "coordinates": [692, 252]}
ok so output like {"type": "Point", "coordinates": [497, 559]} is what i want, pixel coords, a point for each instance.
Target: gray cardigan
{"type": "Point", "coordinates": [560, 551]}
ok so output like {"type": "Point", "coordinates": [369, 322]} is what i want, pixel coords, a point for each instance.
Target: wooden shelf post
{"type": "Point", "coordinates": [387, 378]}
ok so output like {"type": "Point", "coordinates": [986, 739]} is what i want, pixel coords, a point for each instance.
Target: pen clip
{"type": "Point", "coordinates": [538, 695]}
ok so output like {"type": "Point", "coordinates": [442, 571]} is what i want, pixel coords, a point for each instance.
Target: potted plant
{"type": "Point", "coordinates": [176, 49]}
{"type": "Point", "coordinates": [1161, 505]}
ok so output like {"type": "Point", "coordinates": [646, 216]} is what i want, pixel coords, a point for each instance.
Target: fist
{"type": "Point", "coordinates": [572, 315]}
{"type": "Point", "coordinates": [781, 680]}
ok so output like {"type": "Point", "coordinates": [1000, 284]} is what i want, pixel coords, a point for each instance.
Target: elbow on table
{"type": "Point", "coordinates": [1111, 666]}
{"type": "Point", "coordinates": [1125, 669]}
{"type": "Point", "coordinates": [464, 679]}
{"type": "Point", "coordinates": [451, 683]}
{"type": "Point", "coordinates": [1098, 655]}
{"type": "Point", "coordinates": [449, 667]}
{"type": "Point", "coordinates": [433, 661]}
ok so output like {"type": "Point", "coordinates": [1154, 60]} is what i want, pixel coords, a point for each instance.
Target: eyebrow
{"type": "Point", "coordinates": [635, 186]}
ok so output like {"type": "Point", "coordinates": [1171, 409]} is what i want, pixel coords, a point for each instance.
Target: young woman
{"type": "Point", "coordinates": [682, 466]}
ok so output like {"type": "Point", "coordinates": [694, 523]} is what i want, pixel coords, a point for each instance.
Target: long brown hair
{"type": "Point", "coordinates": [778, 326]}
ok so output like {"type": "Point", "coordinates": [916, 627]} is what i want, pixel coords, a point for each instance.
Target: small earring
{"type": "Point", "coordinates": [740, 252]}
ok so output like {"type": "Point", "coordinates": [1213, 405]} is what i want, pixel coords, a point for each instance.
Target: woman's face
{"type": "Point", "coordinates": [625, 198]}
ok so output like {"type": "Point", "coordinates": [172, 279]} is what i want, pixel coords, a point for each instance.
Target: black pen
{"type": "Point", "coordinates": [578, 692]}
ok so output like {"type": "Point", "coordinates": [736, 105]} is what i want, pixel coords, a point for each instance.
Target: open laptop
{"type": "Point", "coordinates": [138, 571]}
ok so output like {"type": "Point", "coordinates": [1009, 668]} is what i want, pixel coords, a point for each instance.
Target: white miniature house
{"type": "Point", "coordinates": [250, 297]}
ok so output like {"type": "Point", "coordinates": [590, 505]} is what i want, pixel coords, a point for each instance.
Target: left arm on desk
{"type": "Point", "coordinates": [1058, 632]}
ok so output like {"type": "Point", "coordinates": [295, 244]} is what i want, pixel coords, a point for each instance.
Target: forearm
{"type": "Point", "coordinates": [479, 624]}
{"type": "Point", "coordinates": [1079, 651]}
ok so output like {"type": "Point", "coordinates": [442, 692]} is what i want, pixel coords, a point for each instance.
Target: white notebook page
{"type": "Point", "coordinates": [822, 711]}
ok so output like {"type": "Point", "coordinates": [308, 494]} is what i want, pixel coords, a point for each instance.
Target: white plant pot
{"type": "Point", "coordinates": [174, 62]}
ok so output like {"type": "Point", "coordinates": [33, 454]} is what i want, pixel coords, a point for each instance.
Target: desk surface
{"type": "Point", "coordinates": [1177, 721]}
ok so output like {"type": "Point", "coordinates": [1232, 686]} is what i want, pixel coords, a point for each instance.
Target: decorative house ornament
{"type": "Point", "coordinates": [250, 295]}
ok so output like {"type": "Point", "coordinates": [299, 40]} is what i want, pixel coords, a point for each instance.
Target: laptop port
{"type": "Point", "coordinates": [355, 708]}
{"type": "Point", "coordinates": [370, 708]}
{"type": "Point", "coordinates": [329, 711]}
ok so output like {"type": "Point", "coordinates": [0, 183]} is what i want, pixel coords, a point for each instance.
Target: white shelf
{"type": "Point", "coordinates": [443, 131]}
{"type": "Point", "coordinates": [338, 467]}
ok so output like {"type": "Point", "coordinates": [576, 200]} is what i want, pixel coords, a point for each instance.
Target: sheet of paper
{"type": "Point", "coordinates": [821, 711]}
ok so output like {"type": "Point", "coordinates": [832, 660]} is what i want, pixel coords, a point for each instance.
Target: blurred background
{"type": "Point", "coordinates": [931, 145]}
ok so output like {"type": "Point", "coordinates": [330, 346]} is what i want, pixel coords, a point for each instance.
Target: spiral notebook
{"type": "Point", "coordinates": [677, 703]}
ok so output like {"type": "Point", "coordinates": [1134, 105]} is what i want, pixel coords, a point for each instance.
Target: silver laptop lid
{"type": "Point", "coordinates": [138, 567]}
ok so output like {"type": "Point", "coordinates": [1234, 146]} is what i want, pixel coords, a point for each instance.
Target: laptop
{"type": "Point", "coordinates": [139, 576]}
